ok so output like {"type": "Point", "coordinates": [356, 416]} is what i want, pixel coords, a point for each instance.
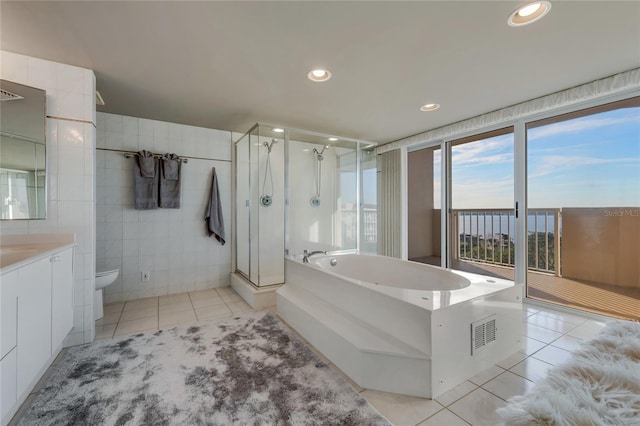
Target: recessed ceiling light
{"type": "Point", "coordinates": [429, 107]}
{"type": "Point", "coordinates": [319, 75]}
{"type": "Point", "coordinates": [529, 13]}
{"type": "Point", "coordinates": [278, 130]}
{"type": "Point", "coordinates": [333, 139]}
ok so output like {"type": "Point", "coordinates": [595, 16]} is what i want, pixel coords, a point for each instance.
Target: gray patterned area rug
{"type": "Point", "coordinates": [248, 370]}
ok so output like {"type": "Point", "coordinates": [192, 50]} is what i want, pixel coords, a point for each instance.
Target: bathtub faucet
{"type": "Point", "coordinates": [306, 255]}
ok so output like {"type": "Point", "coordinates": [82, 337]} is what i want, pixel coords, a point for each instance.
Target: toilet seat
{"type": "Point", "coordinates": [102, 274]}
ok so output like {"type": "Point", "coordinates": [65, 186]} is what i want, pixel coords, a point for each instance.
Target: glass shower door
{"type": "Point", "coordinates": [243, 206]}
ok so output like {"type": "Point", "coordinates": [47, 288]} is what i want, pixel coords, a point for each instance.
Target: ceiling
{"type": "Point", "coordinates": [227, 65]}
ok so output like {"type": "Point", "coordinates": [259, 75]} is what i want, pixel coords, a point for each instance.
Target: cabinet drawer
{"type": "Point", "coordinates": [8, 311]}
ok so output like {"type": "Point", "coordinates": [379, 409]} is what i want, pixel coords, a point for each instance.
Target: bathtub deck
{"type": "Point", "coordinates": [396, 339]}
{"type": "Point", "coordinates": [373, 359]}
{"type": "Point", "coordinates": [614, 301]}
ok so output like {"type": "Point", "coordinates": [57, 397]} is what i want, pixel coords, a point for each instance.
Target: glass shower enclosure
{"type": "Point", "coordinates": [298, 190]}
{"type": "Point", "coordinates": [260, 205]}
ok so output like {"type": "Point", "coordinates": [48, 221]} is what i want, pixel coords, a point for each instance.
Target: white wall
{"type": "Point", "coordinates": [70, 142]}
{"type": "Point", "coordinates": [172, 244]}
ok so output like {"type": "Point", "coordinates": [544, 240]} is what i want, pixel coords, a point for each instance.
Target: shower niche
{"type": "Point", "coordinates": [298, 190]}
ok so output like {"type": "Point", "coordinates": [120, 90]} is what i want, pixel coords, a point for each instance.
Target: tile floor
{"type": "Point", "coordinates": [154, 313]}
{"type": "Point", "coordinates": [550, 335]}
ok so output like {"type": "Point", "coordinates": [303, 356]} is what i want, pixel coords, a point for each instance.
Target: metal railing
{"type": "Point", "coordinates": [369, 224]}
{"type": "Point", "coordinates": [486, 236]}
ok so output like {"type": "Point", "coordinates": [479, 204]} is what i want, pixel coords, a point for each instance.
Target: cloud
{"type": "Point", "coordinates": [555, 164]}
{"type": "Point", "coordinates": [488, 151]}
{"type": "Point", "coordinates": [582, 124]}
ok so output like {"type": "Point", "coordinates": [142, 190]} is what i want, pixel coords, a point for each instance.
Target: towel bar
{"type": "Point", "coordinates": [130, 155]}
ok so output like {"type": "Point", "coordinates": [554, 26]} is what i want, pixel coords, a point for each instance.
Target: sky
{"type": "Point", "coordinates": [591, 161]}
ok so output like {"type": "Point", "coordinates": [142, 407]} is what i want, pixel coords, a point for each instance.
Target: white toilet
{"type": "Point", "coordinates": [103, 279]}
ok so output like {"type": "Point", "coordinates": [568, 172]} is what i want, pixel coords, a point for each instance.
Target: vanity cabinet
{"type": "Point", "coordinates": [8, 332]}
{"type": "Point", "coordinates": [61, 297]}
{"type": "Point", "coordinates": [37, 313]}
{"type": "Point", "coordinates": [34, 321]}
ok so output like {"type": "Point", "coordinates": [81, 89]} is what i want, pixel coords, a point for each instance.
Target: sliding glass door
{"type": "Point", "coordinates": [583, 227]}
{"type": "Point", "coordinates": [481, 233]}
{"type": "Point", "coordinates": [576, 179]}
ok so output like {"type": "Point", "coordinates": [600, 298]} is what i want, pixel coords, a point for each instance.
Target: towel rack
{"type": "Point", "coordinates": [132, 154]}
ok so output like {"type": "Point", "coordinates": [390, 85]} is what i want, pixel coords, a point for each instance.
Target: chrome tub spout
{"type": "Point", "coordinates": [307, 254]}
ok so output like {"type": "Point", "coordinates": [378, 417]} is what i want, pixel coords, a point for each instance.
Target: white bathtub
{"type": "Point", "coordinates": [399, 326]}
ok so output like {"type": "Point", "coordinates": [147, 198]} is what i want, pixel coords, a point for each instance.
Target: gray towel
{"type": "Point", "coordinates": [145, 188]}
{"type": "Point", "coordinates": [213, 214]}
{"type": "Point", "coordinates": [170, 182]}
{"type": "Point", "coordinates": [147, 163]}
{"type": "Point", "coordinates": [171, 166]}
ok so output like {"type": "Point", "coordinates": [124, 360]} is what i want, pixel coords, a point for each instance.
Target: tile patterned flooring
{"type": "Point", "coordinates": [154, 313]}
{"type": "Point", "coordinates": [550, 335]}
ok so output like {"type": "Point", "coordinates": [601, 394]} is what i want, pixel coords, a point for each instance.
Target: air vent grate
{"type": "Point", "coordinates": [8, 96]}
{"type": "Point", "coordinates": [483, 332]}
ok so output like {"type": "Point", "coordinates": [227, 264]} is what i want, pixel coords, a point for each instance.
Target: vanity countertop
{"type": "Point", "coordinates": [19, 250]}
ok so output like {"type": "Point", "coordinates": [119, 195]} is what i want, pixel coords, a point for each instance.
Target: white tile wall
{"type": "Point", "coordinates": [169, 243]}
{"type": "Point", "coordinates": [70, 170]}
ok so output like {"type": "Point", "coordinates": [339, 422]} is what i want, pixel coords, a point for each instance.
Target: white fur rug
{"type": "Point", "coordinates": [598, 385]}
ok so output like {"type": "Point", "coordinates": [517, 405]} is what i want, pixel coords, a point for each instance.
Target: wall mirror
{"type": "Point", "coordinates": [23, 180]}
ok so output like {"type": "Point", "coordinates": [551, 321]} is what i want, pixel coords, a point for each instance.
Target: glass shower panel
{"type": "Point", "coordinates": [323, 193]}
{"type": "Point", "coordinates": [254, 222]}
{"type": "Point", "coordinates": [347, 202]}
{"type": "Point", "coordinates": [243, 203]}
{"type": "Point", "coordinates": [270, 205]}
{"type": "Point", "coordinates": [369, 202]}
{"type": "Point", "coordinates": [260, 206]}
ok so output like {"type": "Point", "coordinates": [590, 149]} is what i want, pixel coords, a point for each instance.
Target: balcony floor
{"type": "Point", "coordinates": [603, 299]}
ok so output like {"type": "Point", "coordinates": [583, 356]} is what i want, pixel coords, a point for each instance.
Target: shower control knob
{"type": "Point", "coordinates": [266, 200]}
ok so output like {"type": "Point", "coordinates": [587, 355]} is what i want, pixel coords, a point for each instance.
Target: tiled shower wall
{"type": "Point", "coordinates": [171, 244]}
{"type": "Point", "coordinates": [70, 143]}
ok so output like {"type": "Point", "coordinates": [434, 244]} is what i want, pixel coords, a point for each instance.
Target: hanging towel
{"type": "Point", "coordinates": [171, 166]}
{"type": "Point", "coordinates": [213, 214]}
{"type": "Point", "coordinates": [146, 177]}
{"type": "Point", "coordinates": [170, 182]}
{"type": "Point", "coordinates": [147, 163]}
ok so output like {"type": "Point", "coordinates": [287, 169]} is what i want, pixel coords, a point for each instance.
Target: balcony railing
{"type": "Point", "coordinates": [369, 224]}
{"type": "Point", "coordinates": [487, 236]}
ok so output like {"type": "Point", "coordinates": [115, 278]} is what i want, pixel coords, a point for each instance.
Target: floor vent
{"type": "Point", "coordinates": [483, 332]}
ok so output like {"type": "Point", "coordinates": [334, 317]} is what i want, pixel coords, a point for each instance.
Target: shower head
{"type": "Point", "coordinates": [270, 145]}
{"type": "Point", "coordinates": [319, 153]}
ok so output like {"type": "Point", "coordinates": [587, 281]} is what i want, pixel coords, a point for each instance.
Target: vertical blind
{"type": "Point", "coordinates": [389, 204]}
